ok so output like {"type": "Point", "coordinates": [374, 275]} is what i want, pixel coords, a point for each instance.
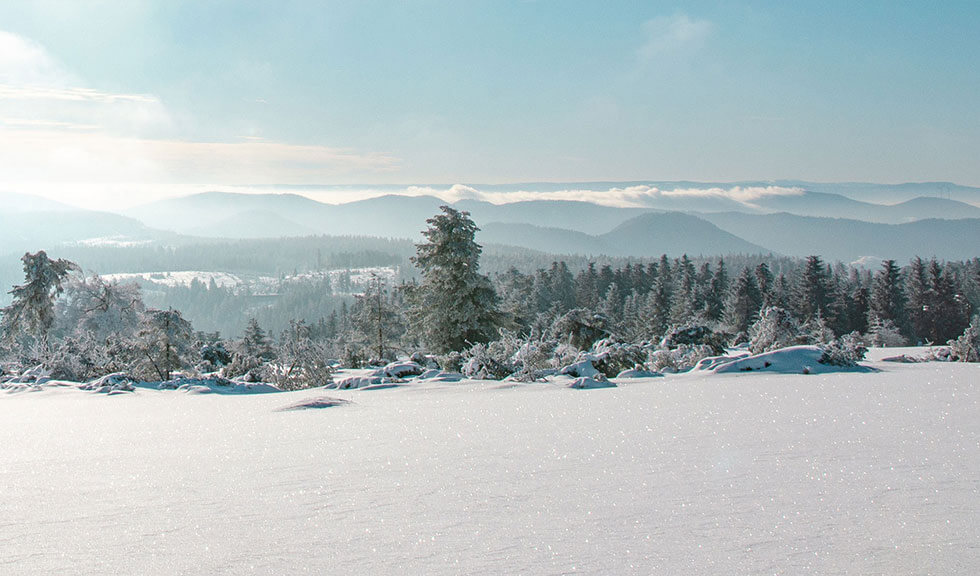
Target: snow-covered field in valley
{"type": "Point", "coordinates": [699, 473]}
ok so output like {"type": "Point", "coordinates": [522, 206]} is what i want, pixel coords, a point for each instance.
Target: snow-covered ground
{"type": "Point", "coordinates": [698, 473]}
{"type": "Point", "coordinates": [178, 278]}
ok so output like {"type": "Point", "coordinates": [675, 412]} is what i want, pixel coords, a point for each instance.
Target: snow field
{"type": "Point", "coordinates": [865, 473]}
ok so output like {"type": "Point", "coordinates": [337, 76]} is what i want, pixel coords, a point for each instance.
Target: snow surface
{"type": "Point", "coordinates": [697, 473]}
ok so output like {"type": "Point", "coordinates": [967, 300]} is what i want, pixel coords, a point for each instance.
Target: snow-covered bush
{"type": "Point", "coordinates": [115, 382]}
{"type": "Point", "coordinates": [966, 348]}
{"type": "Point", "coordinates": [694, 335]}
{"type": "Point", "coordinates": [776, 328]}
{"type": "Point", "coordinates": [816, 331]}
{"type": "Point", "coordinates": [884, 334]}
{"type": "Point", "coordinates": [533, 358]}
{"type": "Point", "coordinates": [579, 327]}
{"type": "Point", "coordinates": [215, 355]}
{"type": "Point", "coordinates": [844, 351]}
{"type": "Point", "coordinates": [303, 361]}
{"type": "Point", "coordinates": [611, 357]}
{"type": "Point", "coordinates": [451, 361]}
{"type": "Point", "coordinates": [488, 361]}
{"type": "Point", "coordinates": [352, 356]}
{"type": "Point", "coordinates": [679, 359]}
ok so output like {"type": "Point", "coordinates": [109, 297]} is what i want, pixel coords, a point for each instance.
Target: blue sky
{"type": "Point", "coordinates": [159, 95]}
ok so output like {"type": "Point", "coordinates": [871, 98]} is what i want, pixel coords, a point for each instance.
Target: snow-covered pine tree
{"type": "Point", "coordinates": [966, 348]}
{"type": "Point", "coordinates": [766, 282]}
{"type": "Point", "coordinates": [32, 313]}
{"type": "Point", "coordinates": [454, 304]}
{"type": "Point", "coordinates": [775, 328]}
{"type": "Point", "coordinates": [744, 302]}
{"type": "Point", "coordinates": [948, 310]}
{"type": "Point", "coordinates": [686, 298]}
{"type": "Point", "coordinates": [813, 289]}
{"type": "Point", "coordinates": [917, 303]}
{"type": "Point", "coordinates": [255, 343]}
{"type": "Point", "coordinates": [888, 294]}
{"type": "Point", "coordinates": [660, 300]}
{"type": "Point", "coordinates": [714, 304]}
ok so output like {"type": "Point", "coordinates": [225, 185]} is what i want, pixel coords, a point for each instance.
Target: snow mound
{"type": "Point", "coordinates": [791, 360]}
{"type": "Point", "coordinates": [638, 373]}
{"type": "Point", "coordinates": [115, 383]}
{"type": "Point", "coordinates": [214, 385]}
{"type": "Point", "coordinates": [371, 381]}
{"type": "Point", "coordinates": [712, 362]}
{"type": "Point", "coordinates": [937, 354]}
{"type": "Point", "coordinates": [402, 369]}
{"type": "Point", "coordinates": [433, 375]}
{"type": "Point", "coordinates": [590, 383]}
{"type": "Point", "coordinates": [35, 376]}
{"type": "Point", "coordinates": [581, 369]}
{"type": "Point", "coordinates": [315, 404]}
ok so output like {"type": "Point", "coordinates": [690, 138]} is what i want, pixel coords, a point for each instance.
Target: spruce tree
{"type": "Point", "coordinates": [813, 290]}
{"type": "Point", "coordinates": [888, 295]}
{"type": "Point", "coordinates": [744, 302]}
{"type": "Point", "coordinates": [454, 304]}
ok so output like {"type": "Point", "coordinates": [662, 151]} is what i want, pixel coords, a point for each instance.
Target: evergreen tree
{"type": "Point", "coordinates": [813, 290]}
{"type": "Point", "coordinates": [562, 286]}
{"type": "Point", "coordinates": [612, 305]}
{"type": "Point", "coordinates": [766, 282]}
{"type": "Point", "coordinates": [660, 299]}
{"type": "Point", "coordinates": [917, 304]}
{"type": "Point", "coordinates": [454, 304]}
{"type": "Point", "coordinates": [31, 314]}
{"type": "Point", "coordinates": [887, 294]}
{"type": "Point", "coordinates": [587, 287]}
{"type": "Point", "coordinates": [714, 304]}
{"type": "Point", "coordinates": [744, 302]}
{"type": "Point", "coordinates": [687, 288]}
{"type": "Point", "coordinates": [255, 343]}
{"type": "Point", "coordinates": [948, 310]}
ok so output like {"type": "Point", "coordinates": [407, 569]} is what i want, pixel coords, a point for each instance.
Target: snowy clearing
{"type": "Point", "coordinates": [697, 473]}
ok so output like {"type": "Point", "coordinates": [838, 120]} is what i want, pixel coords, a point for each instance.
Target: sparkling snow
{"type": "Point", "coordinates": [698, 473]}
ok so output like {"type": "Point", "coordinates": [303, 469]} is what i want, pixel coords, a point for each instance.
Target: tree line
{"type": "Point", "coordinates": [84, 326]}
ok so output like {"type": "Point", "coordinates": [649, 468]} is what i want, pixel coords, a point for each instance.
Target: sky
{"type": "Point", "coordinates": [109, 102]}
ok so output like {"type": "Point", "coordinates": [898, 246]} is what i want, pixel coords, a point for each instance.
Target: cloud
{"type": "Point", "coordinates": [669, 36]}
{"type": "Point", "coordinates": [55, 129]}
{"type": "Point", "coordinates": [73, 156]}
{"type": "Point", "coordinates": [640, 196]}
{"type": "Point", "coordinates": [23, 61]}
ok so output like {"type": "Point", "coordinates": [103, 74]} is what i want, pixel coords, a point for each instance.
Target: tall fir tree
{"type": "Point", "coordinates": [454, 305]}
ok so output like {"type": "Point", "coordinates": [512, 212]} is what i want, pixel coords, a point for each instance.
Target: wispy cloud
{"type": "Point", "coordinates": [630, 196]}
{"type": "Point", "coordinates": [669, 36]}
{"type": "Point", "coordinates": [55, 129]}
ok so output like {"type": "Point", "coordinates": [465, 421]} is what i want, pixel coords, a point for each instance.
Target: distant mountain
{"type": "Point", "coordinates": [890, 193]}
{"type": "Point", "coordinates": [647, 235]}
{"type": "Point", "coordinates": [849, 240]}
{"type": "Point", "coordinates": [542, 239]}
{"type": "Point", "coordinates": [12, 202]}
{"type": "Point", "coordinates": [823, 204]}
{"type": "Point", "coordinates": [32, 231]}
{"type": "Point", "coordinates": [567, 214]}
{"type": "Point", "coordinates": [257, 224]}
{"type": "Point", "coordinates": [210, 213]}
{"type": "Point", "coordinates": [674, 234]}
